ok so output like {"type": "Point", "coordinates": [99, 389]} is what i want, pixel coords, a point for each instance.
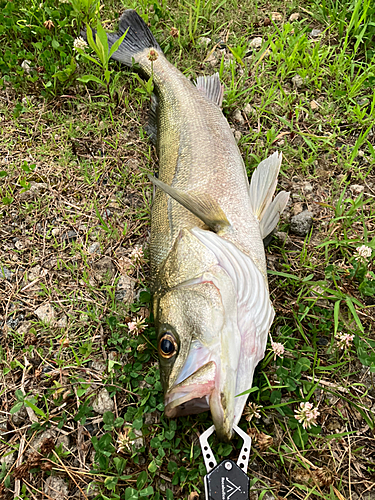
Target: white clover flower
{"type": "Point", "coordinates": [306, 415]}
{"type": "Point", "coordinates": [137, 255]}
{"type": "Point", "coordinates": [278, 349]}
{"type": "Point", "coordinates": [252, 411]}
{"type": "Point", "coordinates": [123, 441]}
{"type": "Point", "coordinates": [137, 325]}
{"type": "Point", "coordinates": [363, 252]}
{"type": "Point", "coordinates": [344, 340]}
{"type": "Point", "coordinates": [79, 43]}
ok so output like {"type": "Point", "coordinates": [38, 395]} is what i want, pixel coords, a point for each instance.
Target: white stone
{"type": "Point", "coordinates": [94, 248]}
{"type": "Point", "coordinates": [298, 81]}
{"type": "Point", "coordinates": [357, 188]}
{"type": "Point", "coordinates": [62, 322]}
{"type": "Point", "coordinates": [138, 442]}
{"type": "Point", "coordinates": [46, 313]}
{"type": "Point", "coordinates": [276, 16]}
{"type": "Point", "coordinates": [249, 110]}
{"type": "Point", "coordinates": [55, 488]}
{"type": "Point", "coordinates": [204, 40]}
{"type": "Point", "coordinates": [237, 135]}
{"type": "Point", "coordinates": [102, 402]}
{"type": "Point", "coordinates": [56, 231]}
{"type": "Point", "coordinates": [256, 43]}
{"type": "Point", "coordinates": [294, 17]}
{"type": "Point", "coordinates": [24, 328]}
{"type": "Point", "coordinates": [237, 116]}
{"type": "Point", "coordinates": [314, 105]}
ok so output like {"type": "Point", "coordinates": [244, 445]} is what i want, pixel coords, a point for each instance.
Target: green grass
{"type": "Point", "coordinates": [73, 172]}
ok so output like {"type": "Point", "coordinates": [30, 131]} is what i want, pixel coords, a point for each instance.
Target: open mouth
{"type": "Point", "coordinates": [192, 395]}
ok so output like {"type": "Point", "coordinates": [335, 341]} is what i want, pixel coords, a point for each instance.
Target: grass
{"type": "Point", "coordinates": [74, 208]}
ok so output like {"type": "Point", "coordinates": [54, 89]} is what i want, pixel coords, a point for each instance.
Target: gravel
{"type": "Point", "coordinates": [301, 224]}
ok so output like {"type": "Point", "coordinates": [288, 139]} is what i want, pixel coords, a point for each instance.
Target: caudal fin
{"type": "Point", "coordinates": [262, 188]}
{"type": "Point", "coordinates": [137, 39]}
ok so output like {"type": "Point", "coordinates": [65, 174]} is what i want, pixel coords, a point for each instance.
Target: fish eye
{"type": "Point", "coordinates": [167, 345]}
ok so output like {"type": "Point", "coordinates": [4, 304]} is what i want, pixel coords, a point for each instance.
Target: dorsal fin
{"type": "Point", "coordinates": [204, 207]}
{"type": "Point", "coordinates": [211, 87]}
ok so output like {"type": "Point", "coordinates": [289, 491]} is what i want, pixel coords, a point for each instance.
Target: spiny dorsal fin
{"type": "Point", "coordinates": [205, 208]}
{"type": "Point", "coordinates": [211, 88]}
{"type": "Point", "coordinates": [262, 187]}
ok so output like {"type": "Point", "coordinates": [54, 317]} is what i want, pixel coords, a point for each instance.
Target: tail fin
{"type": "Point", "coordinates": [138, 38]}
{"type": "Point", "coordinates": [262, 188]}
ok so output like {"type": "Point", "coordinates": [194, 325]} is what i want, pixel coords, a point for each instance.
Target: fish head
{"type": "Point", "coordinates": [198, 349]}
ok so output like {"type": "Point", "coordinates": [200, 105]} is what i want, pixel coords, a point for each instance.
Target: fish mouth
{"type": "Point", "coordinates": [192, 395]}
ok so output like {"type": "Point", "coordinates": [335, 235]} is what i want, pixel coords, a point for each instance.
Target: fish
{"type": "Point", "coordinates": [211, 299]}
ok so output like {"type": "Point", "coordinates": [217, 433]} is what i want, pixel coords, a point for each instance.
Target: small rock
{"type": "Point", "coordinates": [307, 187]}
{"type": "Point", "coordinates": [15, 321]}
{"type": "Point", "coordinates": [94, 248]}
{"type": "Point", "coordinates": [249, 110]}
{"type": "Point", "coordinates": [26, 65]}
{"type": "Point", "coordinates": [301, 224]}
{"type": "Point", "coordinates": [56, 231]}
{"type": "Point", "coordinates": [104, 267]}
{"type": "Point", "coordinates": [212, 59]}
{"type": "Point", "coordinates": [62, 322]}
{"type": "Point", "coordinates": [5, 273]}
{"type": "Point", "coordinates": [98, 366]}
{"type": "Point", "coordinates": [276, 16]}
{"type": "Point", "coordinates": [237, 116]}
{"type": "Point", "coordinates": [269, 496]}
{"type": "Point", "coordinates": [20, 416]}
{"type": "Point", "coordinates": [38, 440]}
{"type": "Point", "coordinates": [8, 459]}
{"type": "Point", "coordinates": [138, 442]}
{"type": "Point", "coordinates": [69, 236]}
{"type": "Point", "coordinates": [294, 17]}
{"type": "Point", "coordinates": [46, 313]}
{"type": "Point", "coordinates": [315, 33]}
{"type": "Point", "coordinates": [281, 236]}
{"type": "Point", "coordinates": [357, 188]}
{"type": "Point", "coordinates": [297, 208]}
{"type": "Point", "coordinates": [298, 81]}
{"type": "Point", "coordinates": [256, 43]}
{"type": "Point", "coordinates": [19, 245]}
{"type": "Point", "coordinates": [55, 488]}
{"type": "Point", "coordinates": [102, 402]}
{"type": "Point", "coordinates": [106, 214]}
{"type": "Point", "coordinates": [125, 289]}
{"type": "Point", "coordinates": [237, 135]}
{"type": "Point", "coordinates": [314, 105]}
{"type": "Point", "coordinates": [35, 272]}
{"type": "Point", "coordinates": [204, 40]}
{"type": "Point", "coordinates": [24, 328]}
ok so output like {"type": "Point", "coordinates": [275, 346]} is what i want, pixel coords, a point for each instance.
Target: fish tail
{"type": "Point", "coordinates": [138, 38]}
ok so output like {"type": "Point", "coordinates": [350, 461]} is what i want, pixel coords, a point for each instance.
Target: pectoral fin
{"type": "Point", "coordinates": [203, 207]}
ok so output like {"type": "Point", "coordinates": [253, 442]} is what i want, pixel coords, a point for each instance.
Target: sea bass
{"type": "Point", "coordinates": [210, 293]}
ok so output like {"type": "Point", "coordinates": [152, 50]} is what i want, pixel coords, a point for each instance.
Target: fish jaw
{"type": "Point", "coordinates": [192, 394]}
